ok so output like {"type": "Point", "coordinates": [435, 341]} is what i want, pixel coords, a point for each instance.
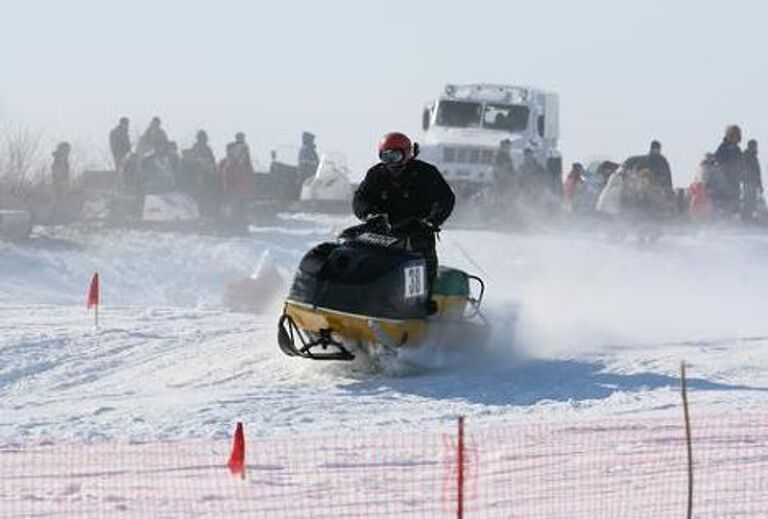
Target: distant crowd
{"type": "Point", "coordinates": [155, 165]}
{"type": "Point", "coordinates": [727, 184]}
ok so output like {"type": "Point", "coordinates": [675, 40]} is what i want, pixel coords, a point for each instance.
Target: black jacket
{"type": "Point", "coordinates": [201, 151]}
{"type": "Point", "coordinates": [60, 171]}
{"type": "Point", "coordinates": [751, 168]}
{"type": "Point", "coordinates": [119, 143]}
{"type": "Point", "coordinates": [728, 155]}
{"type": "Point", "coordinates": [308, 157]}
{"type": "Point", "coordinates": [662, 173]}
{"type": "Point", "coordinates": [419, 191]}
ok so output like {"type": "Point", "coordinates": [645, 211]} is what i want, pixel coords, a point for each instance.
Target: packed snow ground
{"type": "Point", "coordinates": [584, 328]}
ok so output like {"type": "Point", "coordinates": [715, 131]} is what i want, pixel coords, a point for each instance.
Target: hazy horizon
{"type": "Point", "coordinates": [626, 74]}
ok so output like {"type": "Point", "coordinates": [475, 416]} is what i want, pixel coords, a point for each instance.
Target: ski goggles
{"type": "Point", "coordinates": [391, 156]}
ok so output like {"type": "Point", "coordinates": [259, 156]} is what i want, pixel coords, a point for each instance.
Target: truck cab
{"type": "Point", "coordinates": [464, 126]}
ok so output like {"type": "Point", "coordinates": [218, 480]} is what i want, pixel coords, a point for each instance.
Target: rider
{"type": "Point", "coordinates": [404, 188]}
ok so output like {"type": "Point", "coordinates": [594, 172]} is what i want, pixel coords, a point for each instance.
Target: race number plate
{"type": "Point", "coordinates": [415, 285]}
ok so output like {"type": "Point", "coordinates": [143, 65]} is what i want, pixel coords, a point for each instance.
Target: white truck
{"type": "Point", "coordinates": [464, 127]}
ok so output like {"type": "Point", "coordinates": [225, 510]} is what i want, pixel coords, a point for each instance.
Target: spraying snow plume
{"type": "Point", "coordinates": [260, 291]}
{"type": "Point", "coordinates": [577, 292]}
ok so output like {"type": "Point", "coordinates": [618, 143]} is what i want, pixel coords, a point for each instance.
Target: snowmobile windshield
{"type": "Point", "coordinates": [510, 118]}
{"type": "Point", "coordinates": [459, 114]}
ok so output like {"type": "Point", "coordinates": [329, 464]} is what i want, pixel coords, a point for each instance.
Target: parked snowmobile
{"type": "Point", "coordinates": [368, 292]}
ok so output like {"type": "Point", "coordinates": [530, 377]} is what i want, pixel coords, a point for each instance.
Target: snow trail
{"type": "Point", "coordinates": [583, 328]}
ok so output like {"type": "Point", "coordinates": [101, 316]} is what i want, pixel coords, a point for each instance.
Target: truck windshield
{"type": "Point", "coordinates": [510, 118]}
{"type": "Point", "coordinates": [465, 114]}
{"type": "Point", "coordinates": [458, 114]}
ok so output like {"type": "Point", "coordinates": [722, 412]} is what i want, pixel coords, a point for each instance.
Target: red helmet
{"type": "Point", "coordinates": [395, 141]}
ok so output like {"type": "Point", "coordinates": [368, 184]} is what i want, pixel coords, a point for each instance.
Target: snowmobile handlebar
{"type": "Point", "coordinates": [398, 234]}
{"type": "Point", "coordinates": [383, 221]}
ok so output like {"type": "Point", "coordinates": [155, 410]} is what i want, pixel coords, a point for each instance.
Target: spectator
{"type": "Point", "coordinates": [606, 169]}
{"type": "Point", "coordinates": [729, 157]}
{"type": "Point", "coordinates": [534, 180]}
{"type": "Point", "coordinates": [706, 189]}
{"type": "Point", "coordinates": [752, 183]}
{"type": "Point", "coordinates": [120, 142]}
{"type": "Point", "coordinates": [60, 169]}
{"type": "Point", "coordinates": [573, 182]}
{"type": "Point", "coordinates": [242, 152]}
{"type": "Point", "coordinates": [659, 166]}
{"type": "Point", "coordinates": [173, 156]}
{"type": "Point", "coordinates": [718, 187]}
{"type": "Point", "coordinates": [156, 171]}
{"type": "Point", "coordinates": [595, 178]}
{"type": "Point", "coordinates": [60, 181]}
{"type": "Point", "coordinates": [273, 165]}
{"type": "Point", "coordinates": [308, 159]}
{"type": "Point", "coordinates": [198, 175]}
{"type": "Point", "coordinates": [236, 177]}
{"type": "Point", "coordinates": [201, 151]}
{"type": "Point", "coordinates": [154, 139]}
{"type": "Point", "coordinates": [504, 173]}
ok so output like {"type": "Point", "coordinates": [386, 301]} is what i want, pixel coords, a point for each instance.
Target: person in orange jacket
{"type": "Point", "coordinates": [572, 181]}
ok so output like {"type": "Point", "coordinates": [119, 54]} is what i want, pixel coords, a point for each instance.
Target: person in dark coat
{"type": "Point", "coordinates": [534, 179]}
{"type": "Point", "coordinates": [154, 139]}
{"type": "Point", "coordinates": [197, 165]}
{"type": "Point", "coordinates": [201, 151]}
{"type": "Point", "coordinates": [308, 159]}
{"type": "Point", "coordinates": [404, 188]}
{"type": "Point", "coordinates": [242, 153]}
{"type": "Point", "coordinates": [120, 142]}
{"type": "Point", "coordinates": [199, 173]}
{"type": "Point", "coordinates": [659, 166]}
{"type": "Point", "coordinates": [173, 156]}
{"type": "Point", "coordinates": [729, 157]}
{"type": "Point", "coordinates": [60, 180]}
{"type": "Point", "coordinates": [504, 172]}
{"type": "Point", "coordinates": [60, 169]}
{"type": "Point", "coordinates": [752, 183]}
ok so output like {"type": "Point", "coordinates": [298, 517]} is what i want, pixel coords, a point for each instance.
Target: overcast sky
{"type": "Point", "coordinates": [626, 72]}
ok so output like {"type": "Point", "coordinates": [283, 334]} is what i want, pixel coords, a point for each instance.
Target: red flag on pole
{"type": "Point", "coordinates": [93, 292]}
{"type": "Point", "coordinates": [236, 462]}
{"type": "Point", "coordinates": [93, 298]}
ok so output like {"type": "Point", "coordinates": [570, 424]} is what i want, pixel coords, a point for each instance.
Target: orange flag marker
{"type": "Point", "coordinates": [236, 462]}
{"type": "Point", "coordinates": [93, 297]}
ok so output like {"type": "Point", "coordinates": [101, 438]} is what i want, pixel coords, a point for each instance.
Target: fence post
{"type": "Point", "coordinates": [684, 392]}
{"type": "Point", "coordinates": [460, 470]}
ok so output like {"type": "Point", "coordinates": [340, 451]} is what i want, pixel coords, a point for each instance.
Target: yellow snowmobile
{"type": "Point", "coordinates": [368, 290]}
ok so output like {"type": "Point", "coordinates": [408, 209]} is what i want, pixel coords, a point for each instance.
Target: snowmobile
{"type": "Point", "coordinates": [367, 293]}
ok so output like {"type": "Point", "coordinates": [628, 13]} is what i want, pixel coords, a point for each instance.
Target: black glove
{"type": "Point", "coordinates": [416, 226]}
{"type": "Point", "coordinates": [430, 225]}
{"type": "Point", "coordinates": [431, 220]}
